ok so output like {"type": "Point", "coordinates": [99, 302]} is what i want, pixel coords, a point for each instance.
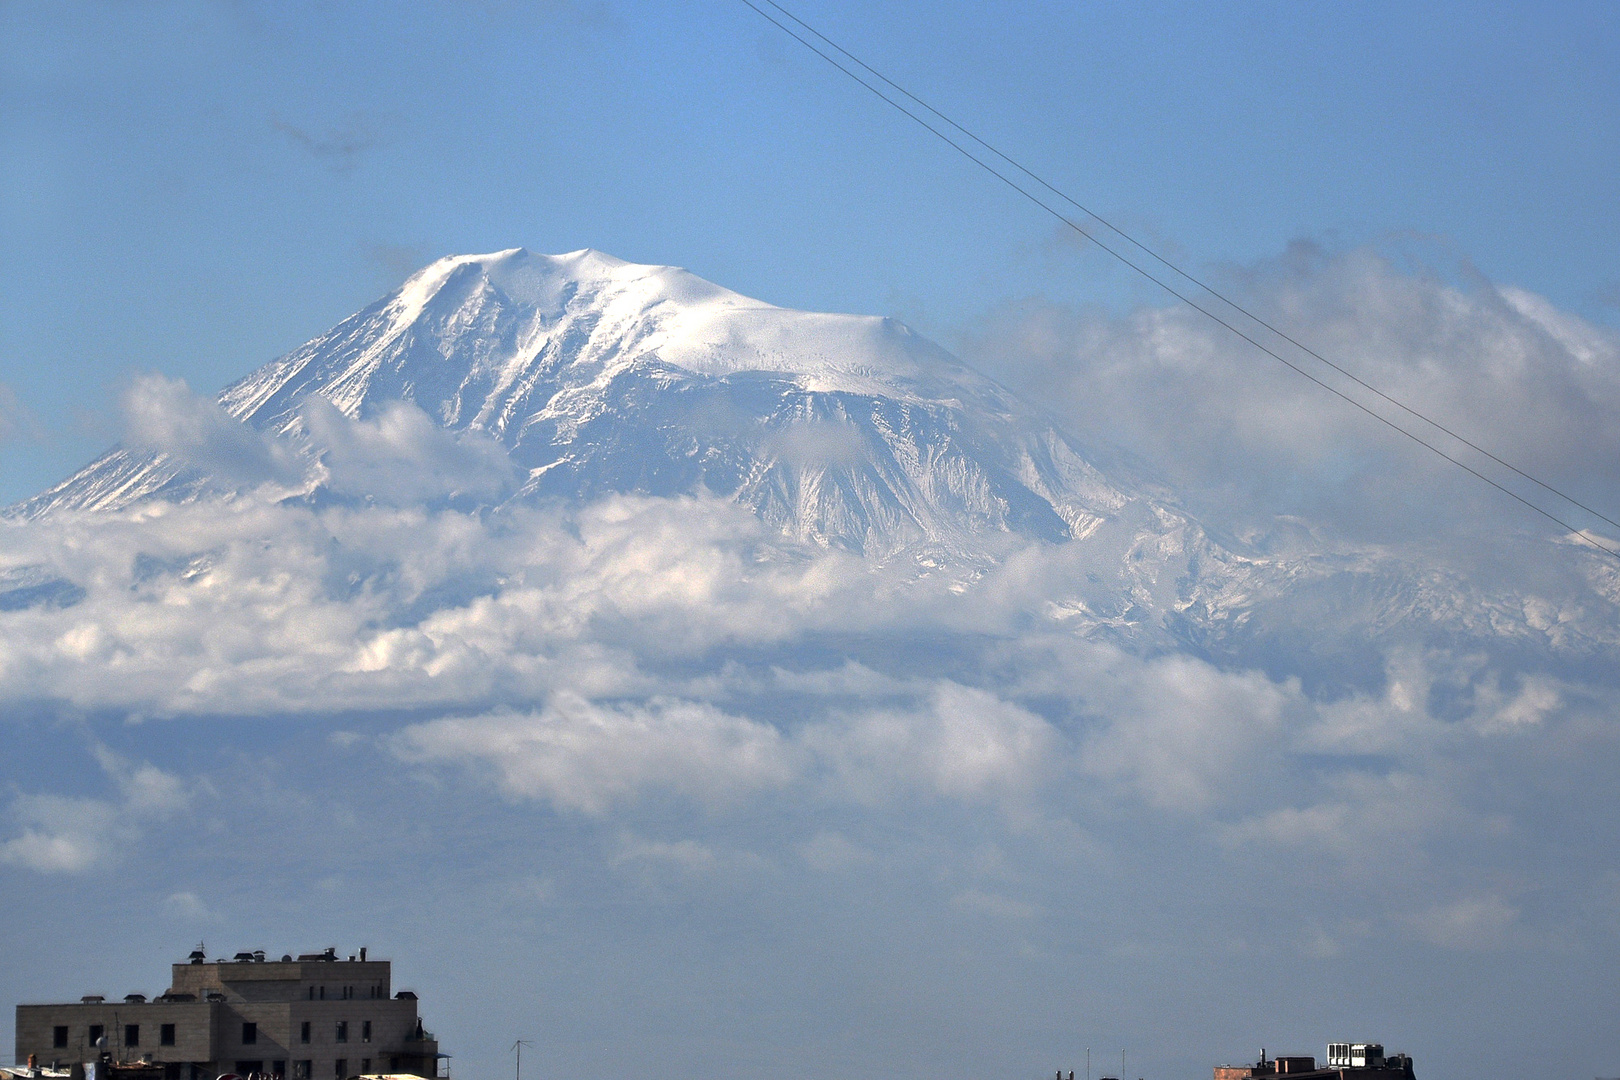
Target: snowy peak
{"type": "Point", "coordinates": [673, 314]}
{"type": "Point", "coordinates": [597, 375]}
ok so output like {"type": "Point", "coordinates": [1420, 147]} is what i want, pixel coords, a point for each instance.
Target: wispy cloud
{"type": "Point", "coordinates": [71, 834]}
{"type": "Point", "coordinates": [340, 148]}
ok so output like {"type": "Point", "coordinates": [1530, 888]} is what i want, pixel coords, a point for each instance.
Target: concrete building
{"type": "Point", "coordinates": [314, 1018]}
{"type": "Point", "coordinates": [1345, 1061]}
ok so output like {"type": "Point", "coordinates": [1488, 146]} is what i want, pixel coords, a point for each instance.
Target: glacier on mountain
{"type": "Point", "coordinates": [598, 375]}
{"type": "Point", "coordinates": [588, 376]}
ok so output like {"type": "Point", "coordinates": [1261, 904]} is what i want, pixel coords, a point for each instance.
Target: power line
{"type": "Point", "coordinates": [1032, 197]}
{"type": "Point", "coordinates": [1217, 294]}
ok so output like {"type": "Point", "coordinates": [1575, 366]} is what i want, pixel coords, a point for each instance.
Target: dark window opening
{"type": "Point", "coordinates": [59, 1037]}
{"type": "Point", "coordinates": [250, 1035]}
{"type": "Point", "coordinates": [302, 1069]}
{"type": "Point", "coordinates": [278, 1068]}
{"type": "Point", "coordinates": [166, 1035]}
{"type": "Point", "coordinates": [323, 993]}
{"type": "Point", "coordinates": [96, 1032]}
{"type": "Point", "coordinates": [132, 1034]}
{"type": "Point", "coordinates": [171, 1071]}
{"type": "Point", "coordinates": [342, 1031]}
{"type": "Point", "coordinates": [340, 1068]}
{"type": "Point", "coordinates": [365, 1031]}
{"type": "Point", "coordinates": [248, 1068]}
{"type": "Point", "coordinates": [365, 1066]}
{"type": "Point", "coordinates": [303, 1032]}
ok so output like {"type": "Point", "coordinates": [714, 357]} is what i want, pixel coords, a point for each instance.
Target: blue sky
{"type": "Point", "coordinates": [747, 846]}
{"type": "Point", "coordinates": [196, 188]}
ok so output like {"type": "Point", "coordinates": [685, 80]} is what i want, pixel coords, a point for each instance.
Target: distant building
{"type": "Point", "coordinates": [313, 1018]}
{"type": "Point", "coordinates": [1345, 1061]}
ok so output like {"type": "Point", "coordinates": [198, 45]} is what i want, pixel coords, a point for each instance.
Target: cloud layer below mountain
{"type": "Point", "coordinates": [677, 720]}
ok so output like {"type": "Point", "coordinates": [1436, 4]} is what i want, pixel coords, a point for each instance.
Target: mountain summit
{"type": "Point", "coordinates": [598, 375]}
{"type": "Point", "coordinates": [492, 380]}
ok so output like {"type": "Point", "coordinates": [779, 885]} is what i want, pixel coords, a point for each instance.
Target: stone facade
{"type": "Point", "coordinates": [314, 1018]}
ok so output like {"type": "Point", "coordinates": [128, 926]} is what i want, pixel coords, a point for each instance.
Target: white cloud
{"type": "Point", "coordinates": [995, 904]}
{"type": "Point", "coordinates": [402, 457]}
{"type": "Point", "coordinates": [1248, 440]}
{"type": "Point", "coordinates": [67, 834]}
{"type": "Point", "coordinates": [64, 835]}
{"type": "Point", "coordinates": [674, 657]}
{"type": "Point", "coordinates": [187, 906]}
{"type": "Point", "coordinates": [1473, 922]}
{"type": "Point", "coordinates": [1182, 733]}
{"type": "Point", "coordinates": [582, 756]}
{"type": "Point", "coordinates": [954, 741]}
{"type": "Point", "coordinates": [163, 416]}
{"type": "Point", "coordinates": [685, 855]}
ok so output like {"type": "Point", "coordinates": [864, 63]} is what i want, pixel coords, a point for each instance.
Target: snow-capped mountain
{"type": "Point", "coordinates": [592, 375]}
{"type": "Point", "coordinates": [599, 375]}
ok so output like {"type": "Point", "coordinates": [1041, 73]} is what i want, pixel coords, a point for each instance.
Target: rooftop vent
{"type": "Point", "coordinates": [286, 958]}
{"type": "Point", "coordinates": [134, 999]}
{"type": "Point", "coordinates": [92, 999]}
{"type": "Point", "coordinates": [405, 995]}
{"type": "Point", "coordinates": [1355, 1055]}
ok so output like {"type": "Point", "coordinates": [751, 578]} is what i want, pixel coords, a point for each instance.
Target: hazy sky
{"type": "Point", "coordinates": [606, 778]}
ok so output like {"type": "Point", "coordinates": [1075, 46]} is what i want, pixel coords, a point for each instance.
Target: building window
{"type": "Point", "coordinates": [365, 1066]}
{"type": "Point", "coordinates": [166, 1035]}
{"type": "Point", "coordinates": [303, 1032]}
{"type": "Point", "coordinates": [312, 993]}
{"type": "Point", "coordinates": [171, 1071]}
{"type": "Point", "coordinates": [96, 1032]}
{"type": "Point", "coordinates": [59, 1037]}
{"type": "Point", "coordinates": [250, 1034]}
{"type": "Point", "coordinates": [302, 1069]}
{"type": "Point", "coordinates": [340, 1068]}
{"type": "Point", "coordinates": [323, 993]}
{"type": "Point", "coordinates": [132, 1034]}
{"type": "Point", "coordinates": [343, 1031]}
{"type": "Point", "coordinates": [365, 1031]}
{"type": "Point", "coordinates": [278, 1069]}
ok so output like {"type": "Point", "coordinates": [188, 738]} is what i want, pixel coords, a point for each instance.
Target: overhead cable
{"type": "Point", "coordinates": [1580, 534]}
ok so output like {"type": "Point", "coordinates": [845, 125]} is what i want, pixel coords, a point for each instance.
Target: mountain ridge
{"type": "Point", "coordinates": [599, 375]}
{"type": "Point", "coordinates": [589, 376]}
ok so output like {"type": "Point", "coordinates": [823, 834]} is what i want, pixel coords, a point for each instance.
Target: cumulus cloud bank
{"type": "Point", "coordinates": [1247, 439]}
{"type": "Point", "coordinates": [1390, 734]}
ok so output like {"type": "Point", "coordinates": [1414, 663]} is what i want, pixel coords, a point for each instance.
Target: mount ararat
{"type": "Point", "coordinates": [576, 376]}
